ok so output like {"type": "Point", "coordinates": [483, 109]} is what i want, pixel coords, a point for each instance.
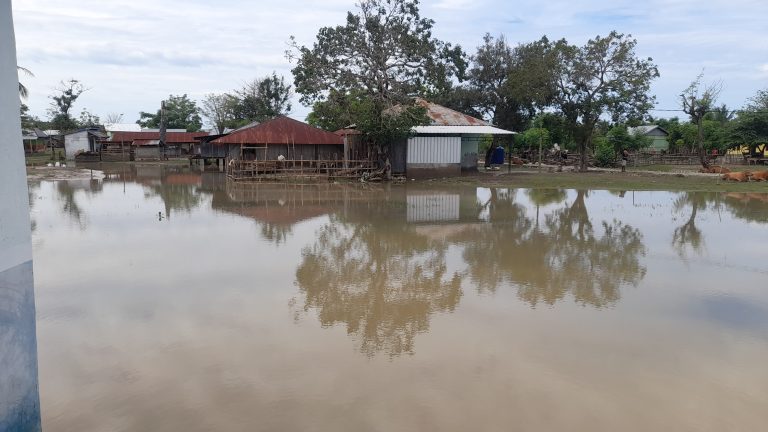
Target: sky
{"type": "Point", "coordinates": [132, 54]}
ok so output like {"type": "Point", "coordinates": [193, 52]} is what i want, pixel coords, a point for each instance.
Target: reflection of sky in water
{"type": "Point", "coordinates": [207, 311]}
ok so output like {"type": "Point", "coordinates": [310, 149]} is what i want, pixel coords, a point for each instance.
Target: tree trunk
{"type": "Point", "coordinates": [700, 145]}
{"type": "Point", "coordinates": [583, 145]}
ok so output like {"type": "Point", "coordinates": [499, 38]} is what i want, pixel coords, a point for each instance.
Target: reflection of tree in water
{"type": "Point", "coordinates": [749, 206]}
{"type": "Point", "coordinates": [176, 197]}
{"type": "Point", "coordinates": [67, 191]}
{"type": "Point", "coordinates": [378, 278]}
{"type": "Point", "coordinates": [688, 234]}
{"type": "Point", "coordinates": [562, 256]}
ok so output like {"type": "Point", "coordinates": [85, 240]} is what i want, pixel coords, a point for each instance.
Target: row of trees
{"type": "Point", "coordinates": [385, 54]}
{"type": "Point", "coordinates": [258, 100]}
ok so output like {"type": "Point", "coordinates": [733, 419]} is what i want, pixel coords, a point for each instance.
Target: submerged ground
{"type": "Point", "coordinates": [176, 300]}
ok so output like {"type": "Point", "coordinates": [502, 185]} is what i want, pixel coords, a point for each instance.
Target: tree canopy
{"type": "Point", "coordinates": [62, 100]}
{"type": "Point", "coordinates": [604, 76]}
{"type": "Point", "coordinates": [386, 50]}
{"type": "Point", "coordinates": [180, 112]}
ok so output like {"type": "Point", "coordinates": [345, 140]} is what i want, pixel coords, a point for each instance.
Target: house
{"type": "Point", "coordinates": [35, 140]}
{"type": "Point", "coordinates": [146, 143]}
{"type": "Point", "coordinates": [446, 146]}
{"type": "Point", "coordinates": [281, 136]}
{"type": "Point", "coordinates": [657, 135]}
{"type": "Point", "coordinates": [82, 141]}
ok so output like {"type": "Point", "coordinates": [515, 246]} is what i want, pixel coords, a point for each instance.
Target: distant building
{"type": "Point", "coordinates": [122, 127]}
{"type": "Point", "coordinates": [656, 134]}
{"type": "Point", "coordinates": [146, 144]}
{"type": "Point", "coordinates": [82, 141]}
{"type": "Point", "coordinates": [446, 146]}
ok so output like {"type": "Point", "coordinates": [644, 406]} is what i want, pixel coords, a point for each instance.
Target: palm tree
{"type": "Point", "coordinates": [23, 91]}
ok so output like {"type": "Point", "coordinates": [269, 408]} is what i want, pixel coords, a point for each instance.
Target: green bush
{"type": "Point", "coordinates": [605, 156]}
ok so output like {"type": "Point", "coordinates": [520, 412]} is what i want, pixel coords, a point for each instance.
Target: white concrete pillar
{"type": "Point", "coordinates": [19, 394]}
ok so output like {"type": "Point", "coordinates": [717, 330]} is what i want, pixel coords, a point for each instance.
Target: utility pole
{"type": "Point", "coordinates": [163, 122]}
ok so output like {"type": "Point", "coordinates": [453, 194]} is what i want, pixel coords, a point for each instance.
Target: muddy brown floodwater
{"type": "Point", "coordinates": [169, 300]}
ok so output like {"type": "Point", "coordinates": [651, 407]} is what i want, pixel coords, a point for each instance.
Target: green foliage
{"type": "Point", "coordinates": [261, 99]}
{"type": "Point", "coordinates": [88, 119]}
{"type": "Point", "coordinates": [507, 85]}
{"type": "Point", "coordinates": [751, 125]}
{"type": "Point", "coordinates": [23, 90]}
{"type": "Point", "coordinates": [697, 101]}
{"type": "Point", "coordinates": [219, 110]}
{"type": "Point", "coordinates": [386, 50]}
{"type": "Point", "coordinates": [61, 103]}
{"type": "Point", "coordinates": [380, 124]}
{"type": "Point", "coordinates": [28, 121]}
{"type": "Point", "coordinates": [532, 137]}
{"type": "Point", "coordinates": [605, 154]}
{"type": "Point", "coordinates": [620, 139]}
{"type": "Point", "coordinates": [602, 77]}
{"type": "Point", "coordinates": [180, 113]}
{"type": "Point", "coordinates": [366, 71]}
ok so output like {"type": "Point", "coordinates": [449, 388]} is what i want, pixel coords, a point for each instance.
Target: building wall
{"type": "Point", "coordinates": [433, 156]}
{"type": "Point", "coordinates": [434, 150]}
{"type": "Point", "coordinates": [76, 142]}
{"type": "Point", "coordinates": [147, 152]}
{"type": "Point", "coordinates": [469, 146]}
{"type": "Point", "coordinates": [273, 151]}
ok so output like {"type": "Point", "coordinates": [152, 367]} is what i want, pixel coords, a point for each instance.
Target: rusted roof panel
{"type": "Point", "coordinates": [281, 130]}
{"type": "Point", "coordinates": [442, 116]}
{"type": "Point", "coordinates": [170, 137]}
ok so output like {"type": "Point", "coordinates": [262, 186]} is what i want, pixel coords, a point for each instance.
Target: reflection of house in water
{"type": "Point", "coordinates": [432, 208]}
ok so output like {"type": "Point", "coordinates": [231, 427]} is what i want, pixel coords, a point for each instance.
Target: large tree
{"type": "Point", "coordinates": [697, 100]}
{"type": "Point", "coordinates": [219, 109]}
{"type": "Point", "coordinates": [385, 49]}
{"type": "Point", "coordinates": [62, 101]}
{"type": "Point", "coordinates": [366, 71]}
{"type": "Point", "coordinates": [261, 99]}
{"type": "Point", "coordinates": [751, 125]}
{"type": "Point", "coordinates": [180, 111]}
{"type": "Point", "coordinates": [605, 76]}
{"type": "Point", "coordinates": [508, 85]}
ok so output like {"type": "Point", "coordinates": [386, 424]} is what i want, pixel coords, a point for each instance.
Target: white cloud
{"type": "Point", "coordinates": [133, 53]}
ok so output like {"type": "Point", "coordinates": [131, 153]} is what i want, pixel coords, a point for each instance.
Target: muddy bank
{"type": "Point", "coordinates": [44, 173]}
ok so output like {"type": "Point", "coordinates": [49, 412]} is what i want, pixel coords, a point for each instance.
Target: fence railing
{"type": "Point", "coordinates": [258, 170]}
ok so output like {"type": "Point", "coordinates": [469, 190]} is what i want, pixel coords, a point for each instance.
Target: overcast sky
{"type": "Point", "coordinates": [131, 54]}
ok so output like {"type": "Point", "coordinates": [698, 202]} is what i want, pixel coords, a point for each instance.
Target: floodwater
{"type": "Point", "coordinates": [174, 301]}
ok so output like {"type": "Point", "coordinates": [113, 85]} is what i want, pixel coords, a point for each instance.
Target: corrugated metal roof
{"type": "Point", "coordinates": [461, 130]}
{"type": "Point", "coordinates": [281, 130]}
{"type": "Point", "coordinates": [122, 127]}
{"type": "Point", "coordinates": [645, 129]}
{"type": "Point", "coordinates": [442, 116]}
{"type": "Point", "coordinates": [170, 137]}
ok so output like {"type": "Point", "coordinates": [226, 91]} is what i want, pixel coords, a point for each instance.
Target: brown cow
{"type": "Point", "coordinates": [737, 176]}
{"type": "Point", "coordinates": [759, 176]}
{"type": "Point", "coordinates": [715, 169]}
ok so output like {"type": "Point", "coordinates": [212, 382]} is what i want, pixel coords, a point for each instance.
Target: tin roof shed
{"type": "Point", "coordinates": [281, 130]}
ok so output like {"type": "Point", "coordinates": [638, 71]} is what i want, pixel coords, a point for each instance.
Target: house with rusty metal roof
{"type": "Point", "coordinates": [446, 146]}
{"type": "Point", "coordinates": [281, 136]}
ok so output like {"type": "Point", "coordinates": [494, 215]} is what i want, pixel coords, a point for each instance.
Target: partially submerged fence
{"type": "Point", "coordinates": [260, 170]}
